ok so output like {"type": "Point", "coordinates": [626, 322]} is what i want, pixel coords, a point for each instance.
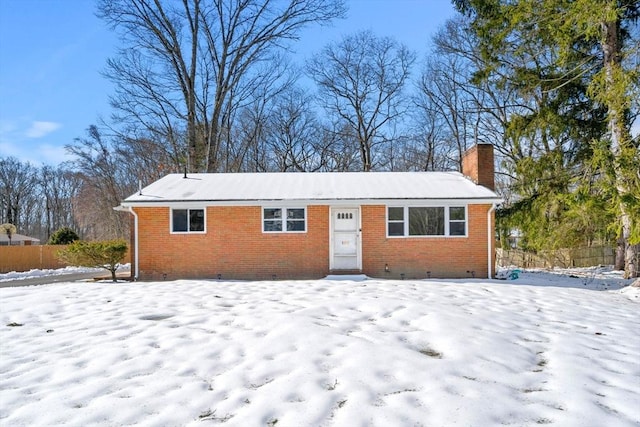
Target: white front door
{"type": "Point", "coordinates": [345, 239]}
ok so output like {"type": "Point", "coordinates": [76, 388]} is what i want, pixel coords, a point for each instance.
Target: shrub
{"type": "Point", "coordinates": [107, 254]}
{"type": "Point", "coordinates": [63, 236]}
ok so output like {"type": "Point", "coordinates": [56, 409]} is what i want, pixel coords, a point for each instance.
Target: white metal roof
{"type": "Point", "coordinates": [230, 188]}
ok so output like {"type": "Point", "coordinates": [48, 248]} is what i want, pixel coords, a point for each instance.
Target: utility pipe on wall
{"type": "Point", "coordinates": [489, 241]}
{"type": "Point", "coordinates": [135, 238]}
{"type": "Point", "coordinates": [129, 209]}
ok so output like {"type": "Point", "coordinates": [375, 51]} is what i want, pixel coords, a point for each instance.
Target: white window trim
{"type": "Point", "coordinates": [283, 219]}
{"type": "Point", "coordinates": [187, 209]}
{"type": "Point", "coordinates": [465, 221]}
{"type": "Point", "coordinates": [396, 221]}
{"type": "Point", "coordinates": [447, 222]}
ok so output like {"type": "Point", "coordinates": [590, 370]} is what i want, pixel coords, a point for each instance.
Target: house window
{"type": "Point", "coordinates": [457, 221]}
{"type": "Point", "coordinates": [426, 221]}
{"type": "Point", "coordinates": [187, 221]}
{"type": "Point", "coordinates": [396, 222]}
{"type": "Point", "coordinates": [284, 220]}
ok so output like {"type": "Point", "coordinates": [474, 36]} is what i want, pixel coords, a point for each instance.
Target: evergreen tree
{"type": "Point", "coordinates": [590, 43]}
{"type": "Point", "coordinates": [63, 236]}
{"type": "Point", "coordinates": [107, 254]}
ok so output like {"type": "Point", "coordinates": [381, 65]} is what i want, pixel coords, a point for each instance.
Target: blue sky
{"type": "Point", "coordinates": [52, 53]}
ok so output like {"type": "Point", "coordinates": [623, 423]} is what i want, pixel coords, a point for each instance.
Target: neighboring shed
{"type": "Point", "coordinates": [308, 225]}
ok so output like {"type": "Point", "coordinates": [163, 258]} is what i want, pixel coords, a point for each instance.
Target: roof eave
{"type": "Point", "coordinates": [329, 202]}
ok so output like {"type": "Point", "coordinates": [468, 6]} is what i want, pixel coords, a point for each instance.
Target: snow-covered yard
{"type": "Point", "coordinates": [543, 349]}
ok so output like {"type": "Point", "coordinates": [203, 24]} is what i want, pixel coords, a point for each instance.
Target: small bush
{"type": "Point", "coordinates": [63, 236]}
{"type": "Point", "coordinates": [107, 254]}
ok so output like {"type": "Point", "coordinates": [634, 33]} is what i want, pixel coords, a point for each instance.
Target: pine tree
{"type": "Point", "coordinates": [592, 41]}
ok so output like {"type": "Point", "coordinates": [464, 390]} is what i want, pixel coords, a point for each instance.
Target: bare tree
{"type": "Point", "coordinates": [38, 200]}
{"type": "Point", "coordinates": [294, 135]}
{"type": "Point", "coordinates": [185, 65]}
{"type": "Point", "coordinates": [360, 81]}
{"type": "Point", "coordinates": [442, 91]}
{"type": "Point", "coordinates": [105, 182]}
{"type": "Point", "coordinates": [59, 188]}
{"type": "Point", "coordinates": [245, 148]}
{"type": "Point", "coordinates": [18, 184]}
{"type": "Point", "coordinates": [424, 149]}
{"type": "Point", "coordinates": [142, 159]}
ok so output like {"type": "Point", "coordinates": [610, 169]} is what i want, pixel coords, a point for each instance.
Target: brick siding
{"type": "Point", "coordinates": [421, 257]}
{"type": "Point", "coordinates": [235, 247]}
{"type": "Point", "coordinates": [478, 164]}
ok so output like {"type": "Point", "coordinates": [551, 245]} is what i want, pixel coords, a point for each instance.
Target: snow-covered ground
{"type": "Point", "coordinates": [546, 348]}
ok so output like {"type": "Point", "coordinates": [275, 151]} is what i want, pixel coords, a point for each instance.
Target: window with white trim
{"type": "Point", "coordinates": [457, 221]}
{"type": "Point", "coordinates": [284, 220]}
{"type": "Point", "coordinates": [187, 221]}
{"type": "Point", "coordinates": [410, 221]}
{"type": "Point", "coordinates": [395, 221]}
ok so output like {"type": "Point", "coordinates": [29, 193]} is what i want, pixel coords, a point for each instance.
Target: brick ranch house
{"type": "Point", "coordinates": [307, 225]}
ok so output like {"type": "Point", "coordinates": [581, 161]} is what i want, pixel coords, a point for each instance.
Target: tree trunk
{"type": "Point", "coordinates": [632, 261]}
{"type": "Point", "coordinates": [611, 49]}
{"type": "Point", "coordinates": [620, 254]}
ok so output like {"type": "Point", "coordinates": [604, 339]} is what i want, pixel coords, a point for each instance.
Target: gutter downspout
{"type": "Point", "coordinates": [135, 232]}
{"type": "Point", "coordinates": [489, 241]}
{"type": "Point", "coordinates": [135, 237]}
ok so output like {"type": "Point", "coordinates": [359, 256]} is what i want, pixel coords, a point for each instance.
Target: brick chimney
{"type": "Point", "coordinates": [477, 164]}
